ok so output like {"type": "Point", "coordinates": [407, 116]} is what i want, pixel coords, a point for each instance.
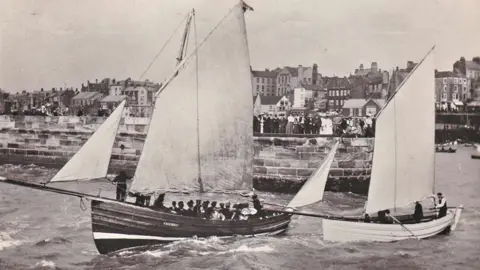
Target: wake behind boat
{"type": "Point", "coordinates": [208, 147]}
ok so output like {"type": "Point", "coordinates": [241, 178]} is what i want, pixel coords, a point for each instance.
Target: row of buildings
{"type": "Point", "coordinates": [278, 91]}
{"type": "Point", "coordinates": [362, 92]}
{"type": "Point", "coordinates": [92, 96]}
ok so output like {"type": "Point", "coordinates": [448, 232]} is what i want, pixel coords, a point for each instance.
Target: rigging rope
{"type": "Point", "coordinates": [163, 48]}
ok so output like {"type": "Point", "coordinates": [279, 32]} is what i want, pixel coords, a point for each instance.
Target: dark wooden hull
{"type": "Point", "coordinates": [117, 226]}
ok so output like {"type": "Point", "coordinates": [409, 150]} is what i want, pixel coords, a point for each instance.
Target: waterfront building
{"type": "Point", "coordinates": [362, 107]}
{"type": "Point", "coordinates": [290, 78]}
{"type": "Point", "coordinates": [275, 105]}
{"type": "Point", "coordinates": [264, 82]}
{"type": "Point", "coordinates": [451, 88]}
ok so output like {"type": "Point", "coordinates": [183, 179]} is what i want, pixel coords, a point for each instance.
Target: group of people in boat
{"type": "Point", "coordinates": [206, 209]}
{"type": "Point", "coordinates": [384, 216]}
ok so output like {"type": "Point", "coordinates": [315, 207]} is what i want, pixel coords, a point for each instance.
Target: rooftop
{"type": "Point", "coordinates": [113, 98]}
{"type": "Point", "coordinates": [87, 96]}
{"type": "Point", "coordinates": [270, 100]}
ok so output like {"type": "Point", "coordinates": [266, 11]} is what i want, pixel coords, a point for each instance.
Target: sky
{"type": "Point", "coordinates": [58, 43]}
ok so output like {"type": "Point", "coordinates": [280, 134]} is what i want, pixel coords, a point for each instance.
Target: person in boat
{"type": "Point", "coordinates": [204, 208]}
{"type": "Point", "coordinates": [216, 215]}
{"type": "Point", "coordinates": [384, 217]}
{"type": "Point", "coordinates": [158, 203]}
{"type": "Point", "coordinates": [227, 212]}
{"type": "Point", "coordinates": [209, 211]}
{"type": "Point", "coordinates": [198, 208]}
{"type": "Point", "coordinates": [418, 213]}
{"type": "Point", "coordinates": [142, 200]}
{"type": "Point", "coordinates": [257, 205]}
{"type": "Point", "coordinates": [190, 211]}
{"type": "Point", "coordinates": [174, 206]}
{"type": "Point", "coordinates": [235, 212]}
{"type": "Point", "coordinates": [366, 218]}
{"type": "Point", "coordinates": [121, 181]}
{"type": "Point", "coordinates": [442, 205]}
{"type": "Point", "coordinates": [181, 208]}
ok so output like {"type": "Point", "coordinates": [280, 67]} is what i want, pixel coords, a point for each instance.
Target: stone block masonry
{"type": "Point", "coordinates": [280, 164]}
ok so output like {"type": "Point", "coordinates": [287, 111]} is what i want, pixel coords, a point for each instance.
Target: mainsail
{"type": "Point", "coordinates": [169, 159]}
{"type": "Point", "coordinates": [403, 160]}
{"type": "Point", "coordinates": [313, 189]}
{"type": "Point", "coordinates": [91, 161]}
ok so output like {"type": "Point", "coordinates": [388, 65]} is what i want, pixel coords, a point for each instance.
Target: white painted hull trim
{"type": "Point", "coordinates": [348, 231]}
{"type": "Point", "coordinates": [112, 236]}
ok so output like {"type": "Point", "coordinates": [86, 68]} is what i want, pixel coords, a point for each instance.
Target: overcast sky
{"type": "Point", "coordinates": [50, 43]}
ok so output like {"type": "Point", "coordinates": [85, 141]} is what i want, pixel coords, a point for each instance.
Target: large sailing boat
{"type": "Point", "coordinates": [402, 169]}
{"type": "Point", "coordinates": [197, 142]}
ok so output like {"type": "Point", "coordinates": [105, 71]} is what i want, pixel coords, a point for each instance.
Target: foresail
{"type": "Point", "coordinates": [91, 161]}
{"type": "Point", "coordinates": [313, 189]}
{"type": "Point", "coordinates": [403, 160]}
{"type": "Point", "coordinates": [169, 161]}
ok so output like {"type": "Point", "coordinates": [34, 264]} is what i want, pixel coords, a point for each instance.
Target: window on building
{"type": "Point", "coordinates": [455, 88]}
{"type": "Point", "coordinates": [331, 103]}
{"type": "Point", "coordinates": [263, 80]}
{"type": "Point", "coordinates": [258, 80]}
{"type": "Point", "coordinates": [444, 96]}
{"type": "Point", "coordinates": [263, 87]}
{"type": "Point", "coordinates": [444, 88]}
{"type": "Point", "coordinates": [337, 93]}
{"type": "Point", "coordinates": [464, 89]}
{"type": "Point", "coordinates": [464, 81]}
{"type": "Point", "coordinates": [258, 87]}
{"type": "Point", "coordinates": [444, 80]}
{"type": "Point", "coordinates": [454, 96]}
{"type": "Point", "coordinates": [455, 81]}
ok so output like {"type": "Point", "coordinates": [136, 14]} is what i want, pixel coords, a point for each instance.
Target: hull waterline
{"type": "Point", "coordinates": [122, 226]}
{"type": "Point", "coordinates": [347, 231]}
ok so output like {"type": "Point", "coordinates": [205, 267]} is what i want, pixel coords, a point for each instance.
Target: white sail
{"type": "Point", "coordinates": [91, 161]}
{"type": "Point", "coordinates": [169, 160]}
{"type": "Point", "coordinates": [403, 160]}
{"type": "Point", "coordinates": [313, 189]}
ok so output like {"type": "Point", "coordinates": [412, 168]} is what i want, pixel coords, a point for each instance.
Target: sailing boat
{"type": "Point", "coordinates": [210, 150]}
{"type": "Point", "coordinates": [402, 167]}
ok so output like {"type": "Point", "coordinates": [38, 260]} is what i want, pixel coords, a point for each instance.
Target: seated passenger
{"type": "Point", "coordinates": [158, 203]}
{"type": "Point", "coordinates": [180, 209]}
{"type": "Point", "coordinates": [227, 212]}
{"type": "Point", "coordinates": [174, 206]}
{"type": "Point", "coordinates": [198, 208]}
{"type": "Point", "coordinates": [216, 215]}
{"type": "Point", "coordinates": [190, 211]}
{"type": "Point", "coordinates": [418, 214]}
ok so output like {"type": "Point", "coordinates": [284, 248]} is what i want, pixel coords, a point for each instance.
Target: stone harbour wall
{"type": "Point", "coordinates": [280, 164]}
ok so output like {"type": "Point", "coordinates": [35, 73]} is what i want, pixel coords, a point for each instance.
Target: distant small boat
{"type": "Point", "coordinates": [476, 154]}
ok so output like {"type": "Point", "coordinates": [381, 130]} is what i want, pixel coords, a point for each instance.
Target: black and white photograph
{"type": "Point", "coordinates": [239, 134]}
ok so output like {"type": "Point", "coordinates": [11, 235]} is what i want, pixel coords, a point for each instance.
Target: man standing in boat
{"type": "Point", "coordinates": [442, 205]}
{"type": "Point", "coordinates": [121, 181]}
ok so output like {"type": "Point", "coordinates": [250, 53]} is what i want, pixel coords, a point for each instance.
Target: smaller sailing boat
{"type": "Point", "coordinates": [402, 169]}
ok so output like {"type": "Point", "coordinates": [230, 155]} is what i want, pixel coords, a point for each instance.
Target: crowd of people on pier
{"type": "Point", "coordinates": [314, 123]}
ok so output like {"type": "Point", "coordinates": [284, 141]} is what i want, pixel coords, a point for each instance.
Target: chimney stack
{"type": "Point", "coordinates": [315, 74]}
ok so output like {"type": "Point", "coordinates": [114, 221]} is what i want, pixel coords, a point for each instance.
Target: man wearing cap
{"type": "Point", "coordinates": [442, 205]}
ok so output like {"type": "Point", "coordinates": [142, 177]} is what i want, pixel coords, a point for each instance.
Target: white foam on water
{"type": "Point", "coordinates": [44, 263]}
{"type": "Point", "coordinates": [241, 249]}
{"type": "Point", "coordinates": [157, 253]}
{"type": "Point", "coordinates": [7, 241]}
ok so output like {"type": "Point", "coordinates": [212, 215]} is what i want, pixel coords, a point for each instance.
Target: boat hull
{"type": "Point", "coordinates": [348, 231]}
{"type": "Point", "coordinates": [476, 156]}
{"type": "Point", "coordinates": [118, 226]}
